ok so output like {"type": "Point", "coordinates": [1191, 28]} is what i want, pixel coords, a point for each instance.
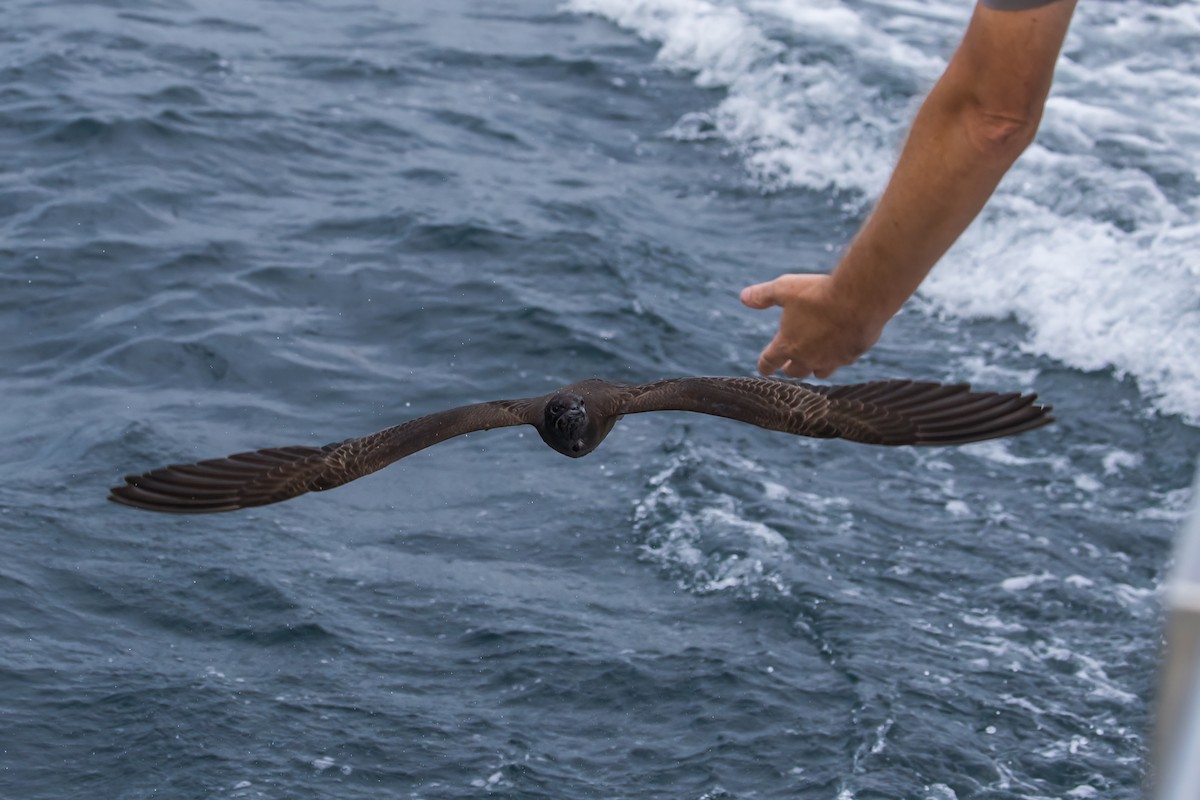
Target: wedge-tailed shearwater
{"type": "Point", "coordinates": [575, 419]}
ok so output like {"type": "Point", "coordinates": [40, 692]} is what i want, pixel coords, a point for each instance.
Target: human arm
{"type": "Point", "coordinates": [978, 118]}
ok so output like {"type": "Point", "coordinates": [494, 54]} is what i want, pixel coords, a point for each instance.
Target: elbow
{"type": "Point", "coordinates": [1002, 136]}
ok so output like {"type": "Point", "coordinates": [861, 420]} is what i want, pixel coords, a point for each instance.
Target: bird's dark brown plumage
{"type": "Point", "coordinates": [576, 418]}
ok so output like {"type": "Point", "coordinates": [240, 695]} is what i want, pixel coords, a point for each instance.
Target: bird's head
{"type": "Point", "coordinates": [565, 426]}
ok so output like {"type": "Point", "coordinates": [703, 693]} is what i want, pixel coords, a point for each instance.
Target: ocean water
{"type": "Point", "coordinates": [235, 225]}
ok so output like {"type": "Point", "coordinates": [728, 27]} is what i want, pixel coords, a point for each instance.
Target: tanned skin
{"type": "Point", "coordinates": [976, 121]}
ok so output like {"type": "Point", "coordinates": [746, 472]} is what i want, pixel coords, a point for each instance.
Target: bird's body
{"type": "Point", "coordinates": [575, 419]}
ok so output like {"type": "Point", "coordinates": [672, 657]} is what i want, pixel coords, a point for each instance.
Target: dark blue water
{"type": "Point", "coordinates": [228, 226]}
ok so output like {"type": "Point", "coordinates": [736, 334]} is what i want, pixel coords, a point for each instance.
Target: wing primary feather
{"type": "Point", "coordinates": [259, 477]}
{"type": "Point", "coordinates": [950, 406]}
{"type": "Point", "coordinates": [150, 501]}
{"type": "Point", "coordinates": [180, 488]}
{"type": "Point", "coordinates": [987, 408]}
{"type": "Point", "coordinates": [879, 412]}
{"type": "Point", "coordinates": [989, 429]}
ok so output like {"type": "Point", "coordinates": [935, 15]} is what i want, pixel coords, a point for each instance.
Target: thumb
{"type": "Point", "coordinates": [760, 295]}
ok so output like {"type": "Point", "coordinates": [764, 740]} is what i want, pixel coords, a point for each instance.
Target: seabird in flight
{"type": "Point", "coordinates": [576, 418]}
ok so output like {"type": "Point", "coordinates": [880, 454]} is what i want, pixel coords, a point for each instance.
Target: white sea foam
{"type": "Point", "coordinates": [1089, 671]}
{"type": "Point", "coordinates": [1091, 241]}
{"type": "Point", "coordinates": [1024, 703]}
{"type": "Point", "coordinates": [775, 491]}
{"type": "Point", "coordinates": [958, 508]}
{"type": "Point", "coordinates": [977, 369]}
{"type": "Point", "coordinates": [1065, 748]}
{"type": "Point", "coordinates": [1023, 582]}
{"type": "Point", "coordinates": [999, 451]}
{"type": "Point", "coordinates": [1079, 582]}
{"type": "Point", "coordinates": [1118, 460]}
{"type": "Point", "coordinates": [706, 540]}
{"type": "Point", "coordinates": [992, 622]}
{"type": "Point", "coordinates": [1176, 504]}
{"type": "Point", "coordinates": [495, 780]}
{"type": "Point", "coordinates": [1142, 600]}
{"type": "Point", "coordinates": [940, 791]}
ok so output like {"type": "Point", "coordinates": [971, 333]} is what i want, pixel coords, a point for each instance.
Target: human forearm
{"type": "Point", "coordinates": [955, 155]}
{"type": "Point", "coordinates": [979, 117]}
{"type": "Point", "coordinates": [975, 122]}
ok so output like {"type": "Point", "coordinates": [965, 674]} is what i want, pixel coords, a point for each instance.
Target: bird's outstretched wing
{"type": "Point", "coordinates": [881, 412]}
{"type": "Point", "coordinates": [267, 476]}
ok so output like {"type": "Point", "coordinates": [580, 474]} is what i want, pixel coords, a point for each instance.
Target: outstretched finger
{"type": "Point", "coordinates": [796, 369]}
{"type": "Point", "coordinates": [772, 359]}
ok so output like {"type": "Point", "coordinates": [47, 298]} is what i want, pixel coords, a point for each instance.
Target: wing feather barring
{"type": "Point", "coordinates": [576, 418]}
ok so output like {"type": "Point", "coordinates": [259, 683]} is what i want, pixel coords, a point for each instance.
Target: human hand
{"type": "Point", "coordinates": [821, 329]}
